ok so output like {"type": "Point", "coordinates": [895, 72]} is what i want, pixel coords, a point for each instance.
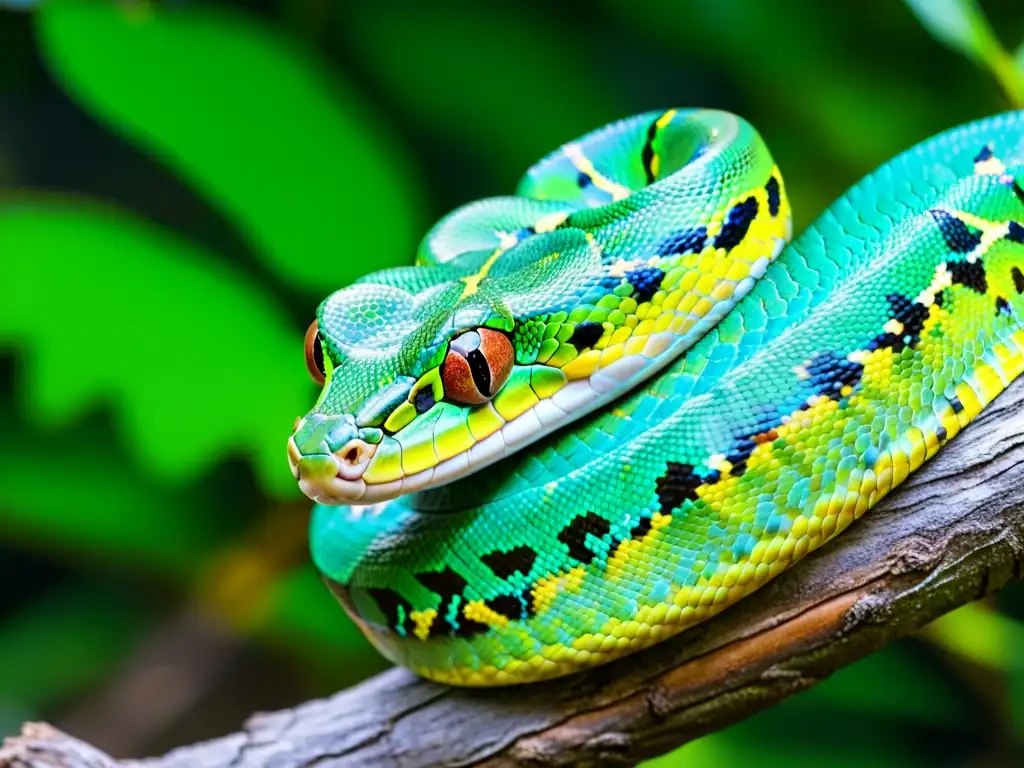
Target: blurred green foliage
{"type": "Point", "coordinates": [184, 181]}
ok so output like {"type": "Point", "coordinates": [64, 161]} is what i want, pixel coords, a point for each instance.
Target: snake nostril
{"type": "Point", "coordinates": [353, 458]}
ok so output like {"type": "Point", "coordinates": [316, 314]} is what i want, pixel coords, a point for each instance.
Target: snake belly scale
{"type": "Point", "coordinates": [605, 408]}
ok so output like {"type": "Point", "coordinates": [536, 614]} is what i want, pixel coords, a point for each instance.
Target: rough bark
{"type": "Point", "coordinates": [952, 533]}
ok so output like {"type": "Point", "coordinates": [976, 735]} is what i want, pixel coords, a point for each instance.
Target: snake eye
{"type": "Point", "coordinates": [478, 364]}
{"type": "Point", "coordinates": [315, 354]}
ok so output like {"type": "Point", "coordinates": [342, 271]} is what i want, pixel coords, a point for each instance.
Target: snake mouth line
{"type": "Point", "coordinates": [323, 480]}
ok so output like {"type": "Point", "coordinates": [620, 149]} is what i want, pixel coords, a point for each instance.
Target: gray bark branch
{"type": "Point", "coordinates": [951, 534]}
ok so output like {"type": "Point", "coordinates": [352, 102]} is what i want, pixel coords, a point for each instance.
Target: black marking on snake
{"type": "Point", "coordinates": [956, 404]}
{"type": "Point", "coordinates": [1003, 307]}
{"type": "Point", "coordinates": [739, 455]}
{"type": "Point", "coordinates": [586, 334]}
{"type": "Point", "coordinates": [1017, 190]}
{"type": "Point", "coordinates": [469, 627]}
{"type": "Point", "coordinates": [424, 400]}
{"type": "Point", "coordinates": [445, 583]}
{"type": "Point", "coordinates": [1018, 279]}
{"type": "Point", "coordinates": [829, 374]}
{"type": "Point", "coordinates": [504, 564]}
{"type": "Point", "coordinates": [481, 371]}
{"type": "Point", "coordinates": [941, 434]}
{"type": "Point", "coordinates": [449, 586]}
{"type": "Point", "coordinates": [737, 223]}
{"type": "Point", "coordinates": [678, 485]}
{"type": "Point", "coordinates": [647, 153]}
{"type": "Point", "coordinates": [574, 535]}
{"type": "Point", "coordinates": [645, 281]}
{"type": "Point", "coordinates": [642, 528]}
{"type": "Point", "coordinates": [1015, 233]}
{"type": "Point", "coordinates": [389, 603]}
{"type": "Point", "coordinates": [687, 241]}
{"type": "Point", "coordinates": [959, 236]}
{"type": "Point", "coordinates": [583, 180]}
{"type": "Point", "coordinates": [527, 597]}
{"type": "Point", "coordinates": [911, 315]}
{"type": "Point", "coordinates": [510, 606]}
{"type": "Point", "coordinates": [984, 154]}
{"type": "Point", "coordinates": [774, 198]}
{"type": "Point", "coordinates": [969, 273]}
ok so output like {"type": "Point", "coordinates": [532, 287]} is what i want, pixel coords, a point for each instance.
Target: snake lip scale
{"type": "Point", "coordinates": [603, 409]}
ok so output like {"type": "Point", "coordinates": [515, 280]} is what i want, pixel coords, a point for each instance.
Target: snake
{"type": "Point", "coordinates": [603, 409]}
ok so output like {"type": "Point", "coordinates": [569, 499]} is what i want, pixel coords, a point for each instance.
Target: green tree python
{"type": "Point", "coordinates": [604, 409]}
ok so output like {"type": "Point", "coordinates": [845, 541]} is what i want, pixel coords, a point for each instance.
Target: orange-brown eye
{"type": "Point", "coordinates": [478, 364]}
{"type": "Point", "coordinates": [315, 354]}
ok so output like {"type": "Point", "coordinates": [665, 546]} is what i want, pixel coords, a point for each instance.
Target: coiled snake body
{"type": "Point", "coordinates": [682, 407]}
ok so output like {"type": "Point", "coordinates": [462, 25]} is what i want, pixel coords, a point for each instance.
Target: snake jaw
{"type": "Point", "coordinates": [332, 491]}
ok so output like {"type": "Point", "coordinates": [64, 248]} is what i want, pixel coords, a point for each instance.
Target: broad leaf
{"type": "Point", "coordinates": [962, 26]}
{"type": "Point", "coordinates": [511, 90]}
{"type": "Point", "coordinates": [288, 152]}
{"type": "Point", "coordinates": [74, 491]}
{"type": "Point", "coordinates": [105, 310]}
{"type": "Point", "coordinates": [980, 635]}
{"type": "Point", "coordinates": [958, 24]}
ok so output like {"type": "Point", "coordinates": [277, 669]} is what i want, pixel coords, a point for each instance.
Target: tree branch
{"type": "Point", "coordinates": [951, 534]}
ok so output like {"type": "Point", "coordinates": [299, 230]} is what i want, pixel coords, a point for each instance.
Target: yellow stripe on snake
{"type": "Point", "coordinates": [606, 408]}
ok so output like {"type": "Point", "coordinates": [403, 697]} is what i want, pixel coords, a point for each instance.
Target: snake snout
{"type": "Point", "coordinates": [328, 458]}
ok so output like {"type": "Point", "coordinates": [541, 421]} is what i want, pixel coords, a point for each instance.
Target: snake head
{"type": "Point", "coordinates": [529, 312]}
{"type": "Point", "coordinates": [432, 372]}
{"type": "Point", "coordinates": [428, 370]}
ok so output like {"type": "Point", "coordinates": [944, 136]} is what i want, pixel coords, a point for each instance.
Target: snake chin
{"type": "Point", "coordinates": [333, 491]}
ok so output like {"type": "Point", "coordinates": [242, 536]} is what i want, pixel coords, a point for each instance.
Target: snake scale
{"type": "Point", "coordinates": [606, 408]}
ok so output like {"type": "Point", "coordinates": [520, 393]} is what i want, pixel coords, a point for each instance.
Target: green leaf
{"type": "Point", "coordinates": [986, 638]}
{"type": "Point", "coordinates": [63, 642]}
{"type": "Point", "coordinates": [1018, 59]}
{"type": "Point", "coordinates": [957, 24]}
{"type": "Point", "coordinates": [962, 26]}
{"type": "Point", "coordinates": [290, 154]}
{"type": "Point", "coordinates": [107, 310]}
{"type": "Point", "coordinates": [102, 508]}
{"type": "Point", "coordinates": [980, 635]}
{"type": "Point", "coordinates": [495, 79]}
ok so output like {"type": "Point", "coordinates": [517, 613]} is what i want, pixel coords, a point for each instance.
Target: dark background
{"type": "Point", "coordinates": [182, 182]}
